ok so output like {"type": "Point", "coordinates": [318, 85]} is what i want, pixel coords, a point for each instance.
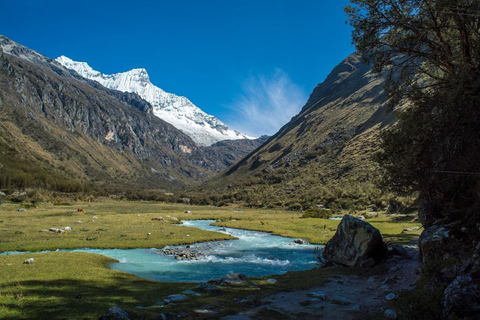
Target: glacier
{"type": "Point", "coordinates": [204, 129]}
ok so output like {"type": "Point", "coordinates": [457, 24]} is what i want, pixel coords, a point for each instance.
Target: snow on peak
{"type": "Point", "coordinates": [203, 128]}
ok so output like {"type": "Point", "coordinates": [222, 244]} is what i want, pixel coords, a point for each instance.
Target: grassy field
{"type": "Point", "coordinates": [62, 285]}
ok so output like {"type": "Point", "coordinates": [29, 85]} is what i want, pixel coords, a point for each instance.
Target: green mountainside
{"type": "Point", "coordinates": [324, 154]}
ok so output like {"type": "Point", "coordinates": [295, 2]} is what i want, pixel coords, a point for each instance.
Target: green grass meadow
{"type": "Point", "coordinates": [68, 285]}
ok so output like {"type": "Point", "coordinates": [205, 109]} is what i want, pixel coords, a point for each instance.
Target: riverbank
{"type": "Point", "coordinates": [81, 286]}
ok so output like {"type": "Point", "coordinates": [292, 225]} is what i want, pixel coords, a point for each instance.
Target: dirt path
{"type": "Point", "coordinates": [342, 297]}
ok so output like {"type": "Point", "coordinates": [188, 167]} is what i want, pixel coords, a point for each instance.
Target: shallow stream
{"type": "Point", "coordinates": [253, 254]}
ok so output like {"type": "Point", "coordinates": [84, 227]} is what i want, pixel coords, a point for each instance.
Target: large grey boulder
{"type": "Point", "coordinates": [354, 242]}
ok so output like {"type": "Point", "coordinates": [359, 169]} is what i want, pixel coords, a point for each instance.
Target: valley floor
{"type": "Point", "coordinates": [63, 285]}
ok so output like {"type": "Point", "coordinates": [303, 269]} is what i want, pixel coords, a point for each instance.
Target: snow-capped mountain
{"type": "Point", "coordinates": [203, 128]}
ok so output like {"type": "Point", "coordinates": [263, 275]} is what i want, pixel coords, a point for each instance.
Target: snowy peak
{"type": "Point", "coordinates": [203, 128]}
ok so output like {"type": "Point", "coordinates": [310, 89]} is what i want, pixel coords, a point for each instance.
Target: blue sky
{"type": "Point", "coordinates": [250, 63]}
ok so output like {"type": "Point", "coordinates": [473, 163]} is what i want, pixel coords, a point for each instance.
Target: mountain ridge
{"type": "Point", "coordinates": [179, 111]}
{"type": "Point", "coordinates": [74, 127]}
{"type": "Point", "coordinates": [324, 153]}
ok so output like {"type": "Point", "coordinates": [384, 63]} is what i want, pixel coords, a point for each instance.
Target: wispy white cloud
{"type": "Point", "coordinates": [266, 104]}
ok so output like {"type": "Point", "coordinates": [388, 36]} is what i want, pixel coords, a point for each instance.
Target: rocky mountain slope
{"type": "Point", "coordinates": [58, 126]}
{"type": "Point", "coordinates": [203, 128]}
{"type": "Point", "coordinates": [324, 153]}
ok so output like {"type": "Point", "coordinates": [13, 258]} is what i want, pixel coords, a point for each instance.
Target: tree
{"type": "Point", "coordinates": [431, 52]}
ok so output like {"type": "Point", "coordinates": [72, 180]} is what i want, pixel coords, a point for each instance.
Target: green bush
{"type": "Point", "coordinates": [317, 213]}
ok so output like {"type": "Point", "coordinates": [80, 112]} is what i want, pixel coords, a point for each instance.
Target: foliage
{"type": "Point", "coordinates": [431, 49]}
{"type": "Point", "coordinates": [317, 213]}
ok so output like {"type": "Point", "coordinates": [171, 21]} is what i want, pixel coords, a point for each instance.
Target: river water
{"type": "Point", "coordinates": [253, 254]}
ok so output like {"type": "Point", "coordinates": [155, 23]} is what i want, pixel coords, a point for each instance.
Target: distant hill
{"type": "Point", "coordinates": [59, 130]}
{"type": "Point", "coordinates": [324, 154]}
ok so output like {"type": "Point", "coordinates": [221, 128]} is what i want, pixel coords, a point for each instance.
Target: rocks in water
{"type": "Point", "coordinates": [207, 287]}
{"type": "Point", "coordinates": [175, 298]}
{"type": "Point", "coordinates": [29, 261]}
{"type": "Point", "coordinates": [390, 314]}
{"type": "Point", "coordinates": [181, 254]}
{"type": "Point", "coordinates": [115, 313]}
{"type": "Point", "coordinates": [300, 241]}
{"type": "Point", "coordinates": [462, 299]}
{"type": "Point", "coordinates": [354, 242]}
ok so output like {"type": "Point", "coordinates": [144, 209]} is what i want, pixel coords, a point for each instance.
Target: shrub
{"type": "Point", "coordinates": [317, 213]}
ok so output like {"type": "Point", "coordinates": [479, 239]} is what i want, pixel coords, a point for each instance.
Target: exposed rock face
{"type": "Point", "coordinates": [354, 242]}
{"type": "Point", "coordinates": [431, 242]}
{"type": "Point", "coordinates": [93, 133]}
{"type": "Point", "coordinates": [462, 299]}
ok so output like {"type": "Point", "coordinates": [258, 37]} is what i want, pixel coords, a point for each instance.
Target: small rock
{"type": "Point", "coordinates": [29, 261]}
{"type": "Point", "coordinates": [176, 298]}
{"type": "Point", "coordinates": [390, 314]}
{"type": "Point", "coordinates": [21, 210]}
{"type": "Point", "coordinates": [115, 313]}
{"type": "Point", "coordinates": [233, 278]}
{"type": "Point", "coordinates": [390, 296]}
{"type": "Point", "coordinates": [300, 241]}
{"type": "Point", "coordinates": [401, 251]}
{"type": "Point", "coordinates": [68, 228]}
{"type": "Point", "coordinates": [272, 281]}
{"type": "Point", "coordinates": [191, 292]}
{"type": "Point", "coordinates": [205, 312]}
{"type": "Point", "coordinates": [368, 263]}
{"type": "Point", "coordinates": [371, 279]}
{"type": "Point", "coordinates": [319, 294]}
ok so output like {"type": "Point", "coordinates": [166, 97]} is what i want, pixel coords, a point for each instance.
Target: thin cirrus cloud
{"type": "Point", "coordinates": [266, 104]}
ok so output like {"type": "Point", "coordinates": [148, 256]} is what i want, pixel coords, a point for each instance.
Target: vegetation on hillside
{"type": "Point", "coordinates": [431, 49]}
